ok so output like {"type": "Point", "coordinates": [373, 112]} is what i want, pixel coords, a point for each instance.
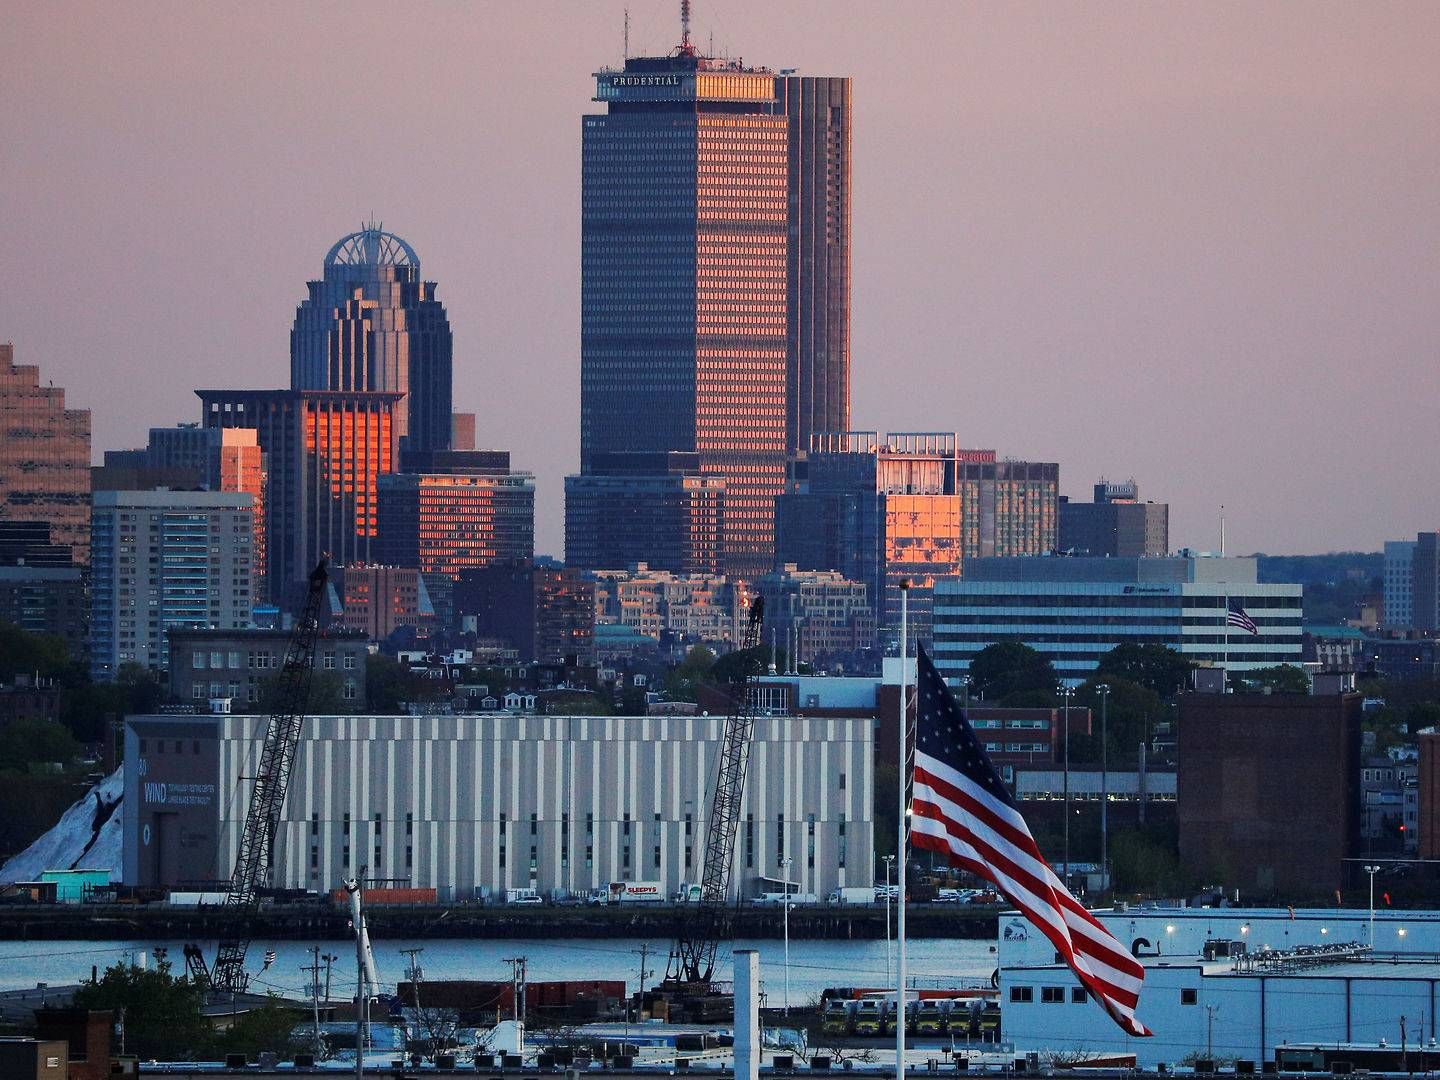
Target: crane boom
{"type": "Point", "coordinates": [254, 856]}
{"type": "Point", "coordinates": [692, 958]}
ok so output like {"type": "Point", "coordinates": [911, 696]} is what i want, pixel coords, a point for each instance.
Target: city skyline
{"type": "Point", "coordinates": [1078, 215]}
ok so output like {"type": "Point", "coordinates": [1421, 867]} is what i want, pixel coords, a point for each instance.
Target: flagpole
{"type": "Point", "coordinates": [900, 829]}
{"type": "Point", "coordinates": [1225, 656]}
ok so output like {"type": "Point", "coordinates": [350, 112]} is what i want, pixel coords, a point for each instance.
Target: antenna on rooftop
{"type": "Point", "coordinates": [685, 25]}
{"type": "Point", "coordinates": [627, 33]}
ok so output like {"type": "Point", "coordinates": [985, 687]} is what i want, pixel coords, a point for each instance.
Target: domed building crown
{"type": "Point", "coordinates": [372, 246]}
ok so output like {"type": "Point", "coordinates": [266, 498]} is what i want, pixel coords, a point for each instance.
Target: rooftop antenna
{"type": "Point", "coordinates": [685, 26]}
{"type": "Point", "coordinates": [627, 33]}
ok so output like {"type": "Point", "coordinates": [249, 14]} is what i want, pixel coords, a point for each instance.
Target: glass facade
{"type": "Point", "coordinates": [372, 323]}
{"type": "Point", "coordinates": [444, 522]}
{"type": "Point", "coordinates": [709, 190]}
{"type": "Point", "coordinates": [912, 505]}
{"type": "Point", "coordinates": [44, 457]}
{"type": "Point", "coordinates": [324, 454]}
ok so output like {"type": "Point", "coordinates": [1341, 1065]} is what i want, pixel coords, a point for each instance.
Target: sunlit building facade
{"type": "Point", "coordinates": [44, 457]}
{"type": "Point", "coordinates": [453, 510]}
{"type": "Point", "coordinates": [700, 308]}
{"type": "Point", "coordinates": [324, 454]}
{"type": "Point", "coordinates": [372, 323]}
{"type": "Point", "coordinates": [911, 506]}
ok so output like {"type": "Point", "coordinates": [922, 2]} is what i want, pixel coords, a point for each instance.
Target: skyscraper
{"type": "Point", "coordinates": [371, 323]}
{"type": "Point", "coordinates": [44, 457]}
{"type": "Point", "coordinates": [323, 455]}
{"type": "Point", "coordinates": [1117, 524]}
{"type": "Point", "coordinates": [703, 308]}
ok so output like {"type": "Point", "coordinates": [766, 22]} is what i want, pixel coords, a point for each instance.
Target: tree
{"type": "Point", "coordinates": [683, 681]}
{"type": "Point", "coordinates": [730, 670]}
{"type": "Point", "coordinates": [1280, 679]}
{"type": "Point", "coordinates": [390, 686]}
{"type": "Point", "coordinates": [46, 655]}
{"type": "Point", "coordinates": [31, 741]}
{"type": "Point", "coordinates": [1156, 667]}
{"type": "Point", "coordinates": [326, 698]}
{"type": "Point", "coordinates": [163, 1017]}
{"type": "Point", "coordinates": [1131, 710]}
{"type": "Point", "coordinates": [271, 1028]}
{"type": "Point", "coordinates": [1009, 668]}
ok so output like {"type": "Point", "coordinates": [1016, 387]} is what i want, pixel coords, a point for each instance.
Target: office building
{"type": "Point", "coordinates": [911, 506]}
{"type": "Point", "coordinates": [44, 456]}
{"type": "Point", "coordinates": [1240, 822]}
{"type": "Point", "coordinates": [1116, 524]}
{"type": "Point", "coordinates": [451, 510]}
{"type": "Point", "coordinates": [715, 274]}
{"type": "Point", "coordinates": [375, 601]}
{"type": "Point", "coordinates": [818, 616]}
{"type": "Point", "coordinates": [27, 543]}
{"type": "Point", "coordinates": [372, 323]}
{"type": "Point", "coordinates": [164, 560]}
{"type": "Point", "coordinates": [662, 509]}
{"type": "Point", "coordinates": [658, 604]}
{"type": "Point", "coordinates": [547, 614]}
{"type": "Point", "coordinates": [208, 665]}
{"type": "Point", "coordinates": [817, 354]}
{"type": "Point", "coordinates": [1425, 583]}
{"type": "Point", "coordinates": [473, 805]}
{"type": "Point", "coordinates": [1075, 610]}
{"type": "Point", "coordinates": [47, 600]}
{"type": "Point", "coordinates": [462, 431]}
{"type": "Point", "coordinates": [324, 453]}
{"type": "Point", "coordinates": [1398, 584]}
{"type": "Point", "coordinates": [1428, 794]}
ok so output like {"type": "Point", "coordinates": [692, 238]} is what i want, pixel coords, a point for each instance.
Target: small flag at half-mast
{"type": "Point", "coordinates": [269, 958]}
{"type": "Point", "coordinates": [1237, 616]}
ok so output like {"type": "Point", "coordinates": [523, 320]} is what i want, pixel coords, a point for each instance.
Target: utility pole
{"type": "Point", "coordinates": [643, 952]}
{"type": "Point", "coordinates": [517, 991]}
{"type": "Point", "coordinates": [314, 970]}
{"type": "Point", "coordinates": [1210, 1011]}
{"type": "Point", "coordinates": [329, 959]}
{"type": "Point", "coordinates": [1104, 691]}
{"type": "Point", "coordinates": [412, 972]}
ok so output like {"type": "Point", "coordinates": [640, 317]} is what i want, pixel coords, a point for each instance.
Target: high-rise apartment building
{"type": "Point", "coordinates": [1425, 583]}
{"type": "Point", "coordinates": [1398, 584]}
{"type": "Point", "coordinates": [163, 560]}
{"type": "Point", "coordinates": [454, 509]}
{"type": "Point", "coordinates": [371, 323]}
{"type": "Point", "coordinates": [816, 615]}
{"type": "Point", "coordinates": [660, 509]}
{"type": "Point", "coordinates": [1116, 524]}
{"type": "Point", "coordinates": [715, 274]}
{"type": "Point", "coordinates": [324, 453]}
{"type": "Point", "coordinates": [912, 505]}
{"type": "Point", "coordinates": [378, 600]}
{"type": "Point", "coordinates": [656, 603]}
{"type": "Point", "coordinates": [44, 456]}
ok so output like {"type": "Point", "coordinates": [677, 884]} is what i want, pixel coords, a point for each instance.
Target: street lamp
{"type": "Point", "coordinates": [1067, 692]}
{"type": "Point", "coordinates": [1104, 691]}
{"type": "Point", "coordinates": [785, 863]}
{"type": "Point", "coordinates": [889, 861]}
{"type": "Point", "coordinates": [1372, 871]}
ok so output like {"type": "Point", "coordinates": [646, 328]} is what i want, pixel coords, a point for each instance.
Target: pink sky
{"type": "Point", "coordinates": [1197, 244]}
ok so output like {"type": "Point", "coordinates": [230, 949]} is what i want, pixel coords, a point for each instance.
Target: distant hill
{"type": "Point", "coordinates": [1335, 584]}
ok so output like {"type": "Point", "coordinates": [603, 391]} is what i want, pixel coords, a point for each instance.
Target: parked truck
{"type": "Point", "coordinates": [637, 892]}
{"type": "Point", "coordinates": [854, 895]}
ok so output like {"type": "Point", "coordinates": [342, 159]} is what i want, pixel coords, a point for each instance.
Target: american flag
{"type": "Point", "coordinates": [961, 808]}
{"type": "Point", "coordinates": [269, 958]}
{"type": "Point", "coordinates": [1237, 616]}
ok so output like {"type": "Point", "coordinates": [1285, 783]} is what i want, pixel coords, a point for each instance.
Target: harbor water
{"type": "Point", "coordinates": [814, 965]}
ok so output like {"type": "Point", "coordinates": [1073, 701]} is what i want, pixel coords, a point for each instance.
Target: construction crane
{"type": "Point", "coordinates": [692, 958]}
{"type": "Point", "coordinates": [255, 855]}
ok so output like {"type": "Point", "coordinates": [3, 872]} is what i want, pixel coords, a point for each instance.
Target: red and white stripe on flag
{"type": "Point", "coordinates": [952, 815]}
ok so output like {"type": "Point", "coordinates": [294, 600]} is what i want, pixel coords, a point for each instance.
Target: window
{"type": "Point", "coordinates": [1189, 996]}
{"type": "Point", "coordinates": [235, 659]}
{"type": "Point", "coordinates": [1022, 993]}
{"type": "Point", "coordinates": [749, 841]}
{"type": "Point", "coordinates": [534, 824]}
{"type": "Point", "coordinates": [349, 661]}
{"type": "Point", "coordinates": [197, 661]}
{"type": "Point", "coordinates": [1078, 995]}
{"type": "Point", "coordinates": [1052, 995]}
{"type": "Point", "coordinates": [328, 661]}
{"type": "Point", "coordinates": [349, 690]}
{"type": "Point", "coordinates": [779, 839]}
{"type": "Point", "coordinates": [626, 829]}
